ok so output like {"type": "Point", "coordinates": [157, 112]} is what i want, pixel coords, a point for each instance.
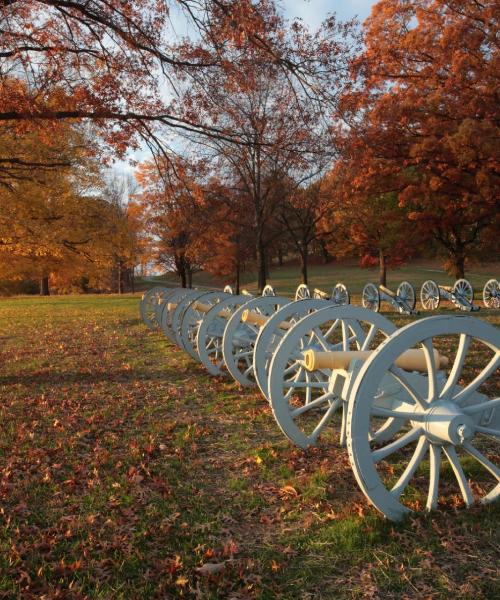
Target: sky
{"type": "Point", "coordinates": [312, 12]}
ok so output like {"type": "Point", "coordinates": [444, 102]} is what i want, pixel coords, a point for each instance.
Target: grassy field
{"type": "Point", "coordinates": [286, 279]}
{"type": "Point", "coordinates": [125, 470]}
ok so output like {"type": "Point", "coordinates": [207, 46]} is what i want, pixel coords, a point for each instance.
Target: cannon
{"type": "Point", "coordinates": [339, 296]}
{"type": "Point", "coordinates": [405, 406]}
{"type": "Point", "coordinates": [150, 305]}
{"type": "Point", "coordinates": [461, 295]}
{"type": "Point", "coordinates": [403, 299]}
{"type": "Point", "coordinates": [491, 294]}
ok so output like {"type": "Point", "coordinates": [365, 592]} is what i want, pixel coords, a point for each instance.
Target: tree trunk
{"type": "Point", "coordinates": [304, 259]}
{"type": "Point", "coordinates": [261, 266]}
{"type": "Point", "coordinates": [280, 256]}
{"type": "Point", "coordinates": [237, 278]}
{"type": "Point", "coordinates": [189, 278]}
{"type": "Point", "coordinates": [327, 257]}
{"type": "Point", "coordinates": [457, 261]}
{"type": "Point", "coordinates": [44, 286]}
{"type": "Point", "coordinates": [382, 278]}
{"type": "Point", "coordinates": [120, 277]}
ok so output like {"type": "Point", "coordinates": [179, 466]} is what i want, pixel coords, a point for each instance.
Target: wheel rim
{"type": "Point", "coordinates": [443, 420]}
{"type": "Point", "coordinates": [463, 290]}
{"type": "Point", "coordinates": [268, 291]}
{"type": "Point", "coordinates": [371, 297]}
{"type": "Point", "coordinates": [271, 334]}
{"type": "Point", "coordinates": [149, 305]}
{"type": "Point", "coordinates": [429, 295]}
{"type": "Point", "coordinates": [303, 292]}
{"type": "Point", "coordinates": [340, 295]}
{"type": "Point", "coordinates": [178, 314]}
{"type": "Point", "coordinates": [304, 402]}
{"type": "Point", "coordinates": [407, 294]}
{"type": "Point", "coordinates": [239, 338]}
{"type": "Point", "coordinates": [210, 334]}
{"type": "Point", "coordinates": [191, 320]}
{"type": "Point", "coordinates": [491, 294]}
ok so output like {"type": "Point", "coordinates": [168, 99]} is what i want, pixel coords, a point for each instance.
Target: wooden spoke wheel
{"type": "Point", "coordinates": [304, 402]}
{"type": "Point", "coordinates": [371, 297]}
{"type": "Point", "coordinates": [271, 334]}
{"type": "Point", "coordinates": [406, 292]}
{"type": "Point", "coordinates": [491, 294]}
{"type": "Point", "coordinates": [240, 337]}
{"type": "Point", "coordinates": [340, 295]}
{"type": "Point", "coordinates": [178, 313]}
{"type": "Point", "coordinates": [211, 333]}
{"type": "Point", "coordinates": [193, 316]}
{"type": "Point", "coordinates": [302, 292]}
{"type": "Point", "coordinates": [268, 291]}
{"type": "Point", "coordinates": [463, 290]}
{"type": "Point", "coordinates": [448, 417]}
{"type": "Point", "coordinates": [430, 297]}
{"type": "Point", "coordinates": [149, 305]}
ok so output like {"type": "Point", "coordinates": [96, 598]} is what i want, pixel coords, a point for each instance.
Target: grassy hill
{"type": "Point", "coordinates": [286, 279]}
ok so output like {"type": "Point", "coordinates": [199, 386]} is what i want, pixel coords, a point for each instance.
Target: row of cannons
{"type": "Point", "coordinates": [404, 299]}
{"type": "Point", "coordinates": [418, 408]}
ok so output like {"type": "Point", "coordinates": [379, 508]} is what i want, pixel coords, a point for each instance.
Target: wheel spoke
{"type": "Point", "coordinates": [435, 466]}
{"type": "Point", "coordinates": [404, 411]}
{"type": "Point", "coordinates": [481, 407]}
{"type": "Point", "coordinates": [372, 332]}
{"type": "Point", "coordinates": [411, 467]}
{"type": "Point", "coordinates": [313, 404]}
{"type": "Point", "coordinates": [306, 384]}
{"type": "Point", "coordinates": [430, 361]}
{"type": "Point", "coordinates": [323, 342]}
{"type": "Point", "coordinates": [401, 442]}
{"type": "Point", "coordinates": [480, 379]}
{"type": "Point", "coordinates": [458, 364]}
{"type": "Point", "coordinates": [324, 420]}
{"type": "Point", "coordinates": [400, 376]}
{"type": "Point", "coordinates": [488, 431]}
{"type": "Point", "coordinates": [487, 464]}
{"type": "Point", "coordinates": [246, 372]}
{"type": "Point", "coordinates": [452, 456]}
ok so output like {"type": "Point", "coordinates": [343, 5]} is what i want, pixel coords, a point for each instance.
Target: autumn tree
{"type": "Point", "coordinates": [374, 227]}
{"type": "Point", "coordinates": [56, 223]}
{"type": "Point", "coordinates": [281, 132]}
{"type": "Point", "coordinates": [422, 118]}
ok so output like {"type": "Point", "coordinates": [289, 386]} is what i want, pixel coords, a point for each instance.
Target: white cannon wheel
{"type": "Point", "coordinates": [340, 295]}
{"type": "Point", "coordinates": [228, 289]}
{"type": "Point", "coordinates": [303, 402]}
{"type": "Point", "coordinates": [303, 292]}
{"type": "Point", "coordinates": [211, 332]}
{"type": "Point", "coordinates": [430, 297]}
{"type": "Point", "coordinates": [268, 291]}
{"type": "Point", "coordinates": [239, 338]}
{"type": "Point", "coordinates": [272, 333]}
{"type": "Point", "coordinates": [442, 420]}
{"type": "Point", "coordinates": [407, 293]}
{"type": "Point", "coordinates": [491, 294]}
{"type": "Point", "coordinates": [149, 305]}
{"type": "Point", "coordinates": [178, 312]}
{"type": "Point", "coordinates": [192, 318]}
{"type": "Point", "coordinates": [370, 297]}
{"type": "Point", "coordinates": [462, 288]}
{"type": "Point", "coordinates": [165, 313]}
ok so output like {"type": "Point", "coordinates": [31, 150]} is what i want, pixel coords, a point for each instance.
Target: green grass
{"type": "Point", "coordinates": [124, 468]}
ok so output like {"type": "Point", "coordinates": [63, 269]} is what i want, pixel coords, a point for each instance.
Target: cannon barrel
{"type": "Point", "coordinates": [204, 308]}
{"type": "Point", "coordinates": [410, 360]}
{"type": "Point", "coordinates": [255, 318]}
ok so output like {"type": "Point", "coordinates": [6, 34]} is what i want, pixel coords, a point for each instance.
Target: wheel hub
{"type": "Point", "coordinates": [446, 423]}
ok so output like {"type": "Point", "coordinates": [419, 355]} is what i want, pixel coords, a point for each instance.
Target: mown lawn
{"type": "Point", "coordinates": [125, 470]}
